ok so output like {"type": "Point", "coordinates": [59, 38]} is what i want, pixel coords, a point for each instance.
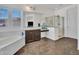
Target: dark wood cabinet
{"type": "Point", "coordinates": [32, 35]}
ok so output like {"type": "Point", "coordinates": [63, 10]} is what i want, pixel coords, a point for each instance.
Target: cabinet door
{"type": "Point", "coordinates": [29, 36]}
{"type": "Point", "coordinates": [32, 35]}
{"type": "Point", "coordinates": [37, 35]}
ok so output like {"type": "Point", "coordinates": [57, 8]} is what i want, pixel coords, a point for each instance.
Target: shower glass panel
{"type": "Point", "coordinates": [59, 26]}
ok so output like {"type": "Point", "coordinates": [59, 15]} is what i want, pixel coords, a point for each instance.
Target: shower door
{"type": "Point", "coordinates": [59, 26]}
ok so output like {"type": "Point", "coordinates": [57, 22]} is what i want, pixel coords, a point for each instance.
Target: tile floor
{"type": "Point", "coordinates": [63, 46]}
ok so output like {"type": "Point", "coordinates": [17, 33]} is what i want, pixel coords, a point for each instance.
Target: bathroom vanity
{"type": "Point", "coordinates": [35, 34]}
{"type": "Point", "coordinates": [32, 35]}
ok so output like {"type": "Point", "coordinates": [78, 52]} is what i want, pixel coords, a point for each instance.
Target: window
{"type": "Point", "coordinates": [16, 13]}
{"type": "Point", "coordinates": [3, 16]}
{"type": "Point", "coordinates": [16, 17]}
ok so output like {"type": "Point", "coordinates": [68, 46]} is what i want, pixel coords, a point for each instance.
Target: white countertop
{"type": "Point", "coordinates": [32, 28]}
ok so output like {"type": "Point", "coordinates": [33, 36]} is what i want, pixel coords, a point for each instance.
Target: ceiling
{"type": "Point", "coordinates": [47, 6]}
{"type": "Point", "coordinates": [39, 6]}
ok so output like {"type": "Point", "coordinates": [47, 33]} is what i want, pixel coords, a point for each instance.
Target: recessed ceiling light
{"type": "Point", "coordinates": [28, 8]}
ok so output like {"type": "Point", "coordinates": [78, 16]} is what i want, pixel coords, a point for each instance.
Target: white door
{"type": "Point", "coordinates": [71, 23]}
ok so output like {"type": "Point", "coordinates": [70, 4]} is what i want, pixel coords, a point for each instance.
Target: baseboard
{"type": "Point", "coordinates": [20, 50]}
{"type": "Point", "coordinates": [69, 38]}
{"type": "Point", "coordinates": [43, 37]}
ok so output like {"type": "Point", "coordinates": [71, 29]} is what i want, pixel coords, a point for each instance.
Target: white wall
{"type": "Point", "coordinates": [36, 18]}
{"type": "Point", "coordinates": [70, 21]}
{"type": "Point", "coordinates": [40, 14]}
{"type": "Point", "coordinates": [78, 26]}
